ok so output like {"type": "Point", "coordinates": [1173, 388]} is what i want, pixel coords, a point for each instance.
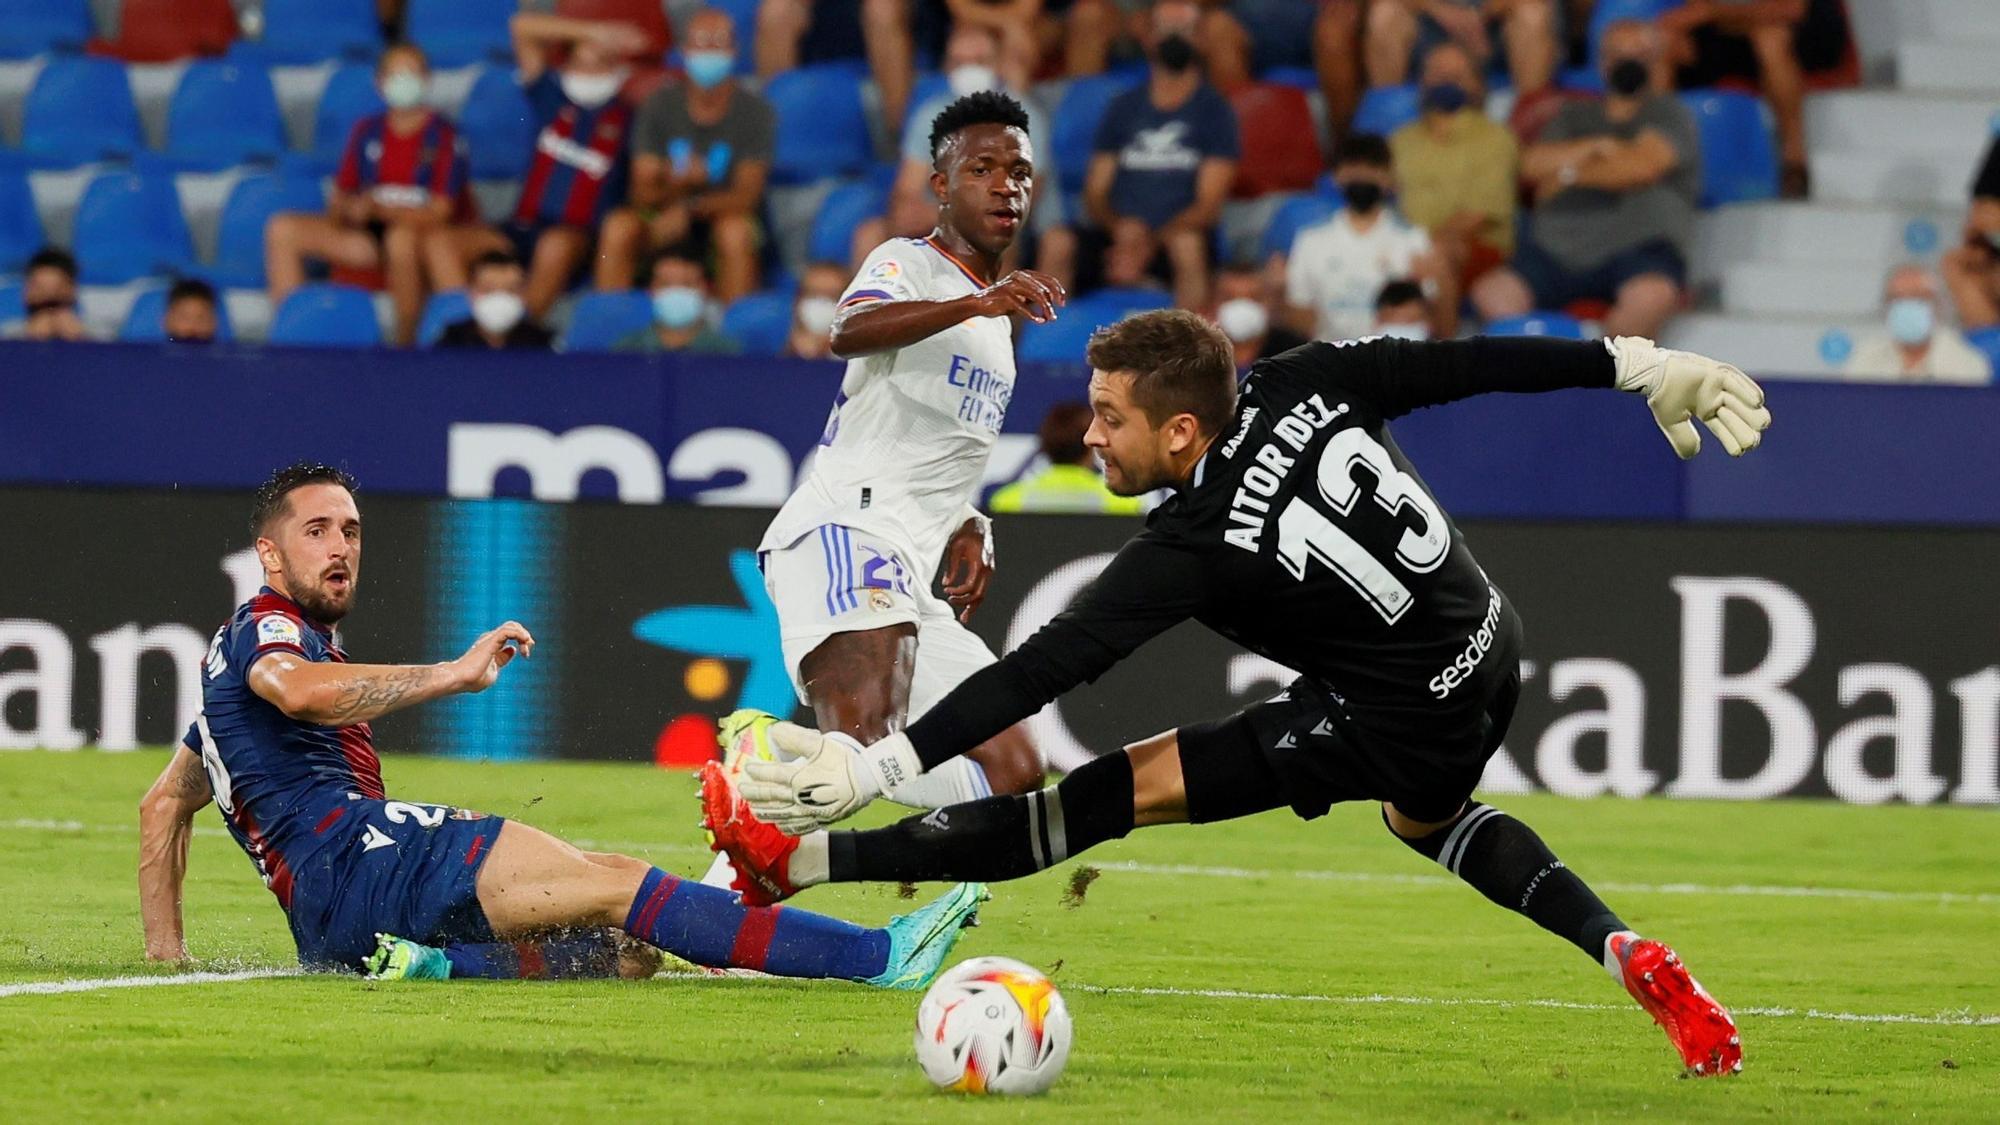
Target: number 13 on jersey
{"type": "Point", "coordinates": [1304, 532]}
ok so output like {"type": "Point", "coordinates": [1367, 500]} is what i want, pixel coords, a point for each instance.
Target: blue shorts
{"type": "Point", "coordinates": [1556, 285]}
{"type": "Point", "coordinates": [397, 867]}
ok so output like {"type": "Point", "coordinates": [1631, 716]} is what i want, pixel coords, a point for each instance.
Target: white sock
{"type": "Point", "coordinates": [808, 867]}
{"type": "Point", "coordinates": [953, 783]}
{"type": "Point", "coordinates": [1611, 964]}
{"type": "Point", "coordinates": [720, 873]}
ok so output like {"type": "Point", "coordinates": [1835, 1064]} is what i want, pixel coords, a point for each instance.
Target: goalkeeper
{"type": "Point", "coordinates": [1300, 531]}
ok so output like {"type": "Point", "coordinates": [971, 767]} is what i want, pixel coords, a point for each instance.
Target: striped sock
{"type": "Point", "coordinates": [711, 927]}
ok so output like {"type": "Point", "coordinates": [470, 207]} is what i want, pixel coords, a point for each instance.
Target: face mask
{"type": "Point", "coordinates": [591, 90]}
{"type": "Point", "coordinates": [677, 306]}
{"type": "Point", "coordinates": [1362, 195]}
{"type": "Point", "coordinates": [1911, 320]}
{"type": "Point", "coordinates": [1175, 52]}
{"type": "Point", "coordinates": [498, 312]}
{"type": "Point", "coordinates": [1406, 331]}
{"type": "Point", "coordinates": [1627, 77]}
{"type": "Point", "coordinates": [815, 314]}
{"type": "Point", "coordinates": [403, 89]}
{"type": "Point", "coordinates": [709, 69]}
{"type": "Point", "coordinates": [972, 78]}
{"type": "Point", "coordinates": [1445, 97]}
{"type": "Point", "coordinates": [1242, 319]}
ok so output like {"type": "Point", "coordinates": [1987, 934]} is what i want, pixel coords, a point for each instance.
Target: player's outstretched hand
{"type": "Point", "coordinates": [1682, 386]}
{"type": "Point", "coordinates": [824, 782]}
{"type": "Point", "coordinates": [1029, 293]}
{"type": "Point", "coordinates": [968, 566]}
{"type": "Point", "coordinates": [481, 664]}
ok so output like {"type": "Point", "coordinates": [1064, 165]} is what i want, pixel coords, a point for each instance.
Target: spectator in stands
{"type": "Point", "coordinates": [1071, 481]}
{"type": "Point", "coordinates": [1398, 31]}
{"type": "Point", "coordinates": [1165, 154]}
{"type": "Point", "coordinates": [1336, 268]}
{"type": "Point", "coordinates": [48, 294]}
{"type": "Point", "coordinates": [1403, 311]}
{"type": "Point", "coordinates": [499, 314]}
{"type": "Point", "coordinates": [401, 176]}
{"type": "Point", "coordinates": [680, 310]}
{"type": "Point", "coordinates": [818, 299]}
{"type": "Point", "coordinates": [1617, 180]}
{"type": "Point", "coordinates": [1097, 31]}
{"type": "Point", "coordinates": [1456, 167]}
{"type": "Point", "coordinates": [1243, 312]}
{"type": "Point", "coordinates": [791, 32]}
{"type": "Point", "coordinates": [1916, 347]}
{"type": "Point", "coordinates": [701, 154]}
{"type": "Point", "coordinates": [1770, 42]}
{"type": "Point", "coordinates": [971, 63]}
{"type": "Point", "coordinates": [1336, 58]}
{"type": "Point", "coordinates": [577, 170]}
{"type": "Point", "coordinates": [191, 316]}
{"type": "Point", "coordinates": [1972, 270]}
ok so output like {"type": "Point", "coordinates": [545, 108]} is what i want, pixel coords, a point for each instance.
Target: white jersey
{"type": "Point", "coordinates": [905, 449]}
{"type": "Point", "coordinates": [1336, 270]}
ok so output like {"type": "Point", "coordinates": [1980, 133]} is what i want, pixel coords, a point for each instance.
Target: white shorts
{"type": "Point", "coordinates": [842, 580]}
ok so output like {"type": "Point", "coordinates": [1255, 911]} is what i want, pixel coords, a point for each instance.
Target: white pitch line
{"type": "Point", "coordinates": [1941, 1020]}
{"type": "Point", "coordinates": [52, 987]}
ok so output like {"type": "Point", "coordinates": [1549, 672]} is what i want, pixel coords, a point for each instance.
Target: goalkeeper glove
{"type": "Point", "coordinates": [1682, 386]}
{"type": "Point", "coordinates": [831, 777]}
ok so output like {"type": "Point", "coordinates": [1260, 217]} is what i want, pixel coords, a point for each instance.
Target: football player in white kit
{"type": "Point", "coordinates": [851, 558]}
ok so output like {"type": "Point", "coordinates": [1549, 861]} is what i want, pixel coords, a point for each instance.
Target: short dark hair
{"type": "Point", "coordinates": [1179, 364]}
{"type": "Point", "coordinates": [271, 499]}
{"type": "Point", "coordinates": [191, 288]}
{"type": "Point", "coordinates": [55, 258]}
{"type": "Point", "coordinates": [1400, 293]}
{"type": "Point", "coordinates": [1363, 148]}
{"type": "Point", "coordinates": [987, 107]}
{"type": "Point", "coordinates": [1062, 433]}
{"type": "Point", "coordinates": [492, 258]}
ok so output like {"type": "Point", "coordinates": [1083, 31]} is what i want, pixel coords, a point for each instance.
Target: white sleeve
{"type": "Point", "coordinates": [1300, 292]}
{"type": "Point", "coordinates": [894, 271]}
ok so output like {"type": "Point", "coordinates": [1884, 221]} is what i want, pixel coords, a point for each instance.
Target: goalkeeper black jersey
{"type": "Point", "coordinates": [1306, 536]}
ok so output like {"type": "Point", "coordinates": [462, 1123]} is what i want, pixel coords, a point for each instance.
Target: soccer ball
{"type": "Point", "coordinates": [992, 1025]}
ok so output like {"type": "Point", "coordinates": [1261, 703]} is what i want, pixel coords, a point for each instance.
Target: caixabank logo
{"type": "Point", "coordinates": [735, 661]}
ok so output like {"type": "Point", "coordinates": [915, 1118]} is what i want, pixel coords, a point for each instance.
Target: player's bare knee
{"type": "Point", "coordinates": [1159, 789]}
{"type": "Point", "coordinates": [859, 682]}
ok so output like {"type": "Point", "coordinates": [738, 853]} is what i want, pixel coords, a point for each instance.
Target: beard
{"type": "Point", "coordinates": [323, 605]}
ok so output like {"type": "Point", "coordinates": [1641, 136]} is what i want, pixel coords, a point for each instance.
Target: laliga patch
{"type": "Point", "coordinates": [888, 269]}
{"type": "Point", "coordinates": [276, 629]}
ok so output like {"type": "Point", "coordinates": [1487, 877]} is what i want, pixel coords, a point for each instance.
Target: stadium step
{"type": "Point", "coordinates": [1956, 67]}
{"type": "Point", "coordinates": [1937, 179]}
{"type": "Point", "coordinates": [1787, 347]}
{"type": "Point", "coordinates": [1895, 121]}
{"type": "Point", "coordinates": [1954, 21]}
{"type": "Point", "coordinates": [1799, 289]}
{"type": "Point", "coordinates": [1866, 238]}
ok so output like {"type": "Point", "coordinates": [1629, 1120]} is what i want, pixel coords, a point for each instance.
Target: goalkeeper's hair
{"type": "Point", "coordinates": [273, 495]}
{"type": "Point", "coordinates": [987, 107]}
{"type": "Point", "coordinates": [1179, 363]}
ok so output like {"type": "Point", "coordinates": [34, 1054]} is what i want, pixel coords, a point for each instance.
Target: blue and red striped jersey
{"type": "Point", "coordinates": [404, 169]}
{"type": "Point", "coordinates": [282, 784]}
{"type": "Point", "coordinates": [578, 170]}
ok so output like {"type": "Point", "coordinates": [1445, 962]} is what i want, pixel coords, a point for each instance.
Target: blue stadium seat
{"type": "Point", "coordinates": [20, 225]}
{"type": "Point", "coordinates": [239, 252]}
{"type": "Point", "coordinates": [350, 95]}
{"type": "Point", "coordinates": [1075, 126]}
{"type": "Point", "coordinates": [822, 129]}
{"type": "Point", "coordinates": [327, 316]}
{"type": "Point", "coordinates": [1063, 339]}
{"type": "Point", "coordinates": [31, 27]}
{"type": "Point", "coordinates": [1985, 339]}
{"type": "Point", "coordinates": [143, 323]}
{"type": "Point", "coordinates": [1386, 109]}
{"type": "Point", "coordinates": [600, 320]}
{"type": "Point", "coordinates": [1739, 158]}
{"type": "Point", "coordinates": [498, 126]}
{"type": "Point", "coordinates": [12, 307]}
{"type": "Point", "coordinates": [760, 323]}
{"type": "Point", "coordinates": [460, 32]}
{"type": "Point", "coordinates": [79, 110]}
{"type": "Point", "coordinates": [222, 114]}
{"type": "Point", "coordinates": [129, 226]}
{"type": "Point", "coordinates": [847, 207]}
{"type": "Point", "coordinates": [1303, 210]}
{"type": "Point", "coordinates": [1562, 326]}
{"type": "Point", "coordinates": [441, 312]}
{"type": "Point", "coordinates": [310, 31]}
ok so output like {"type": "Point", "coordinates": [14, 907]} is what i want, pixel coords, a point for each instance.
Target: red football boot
{"type": "Point", "coordinates": [1700, 1028]}
{"type": "Point", "coordinates": [760, 853]}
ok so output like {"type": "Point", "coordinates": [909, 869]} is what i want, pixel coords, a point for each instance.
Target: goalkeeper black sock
{"type": "Point", "coordinates": [1509, 864]}
{"type": "Point", "coordinates": [995, 838]}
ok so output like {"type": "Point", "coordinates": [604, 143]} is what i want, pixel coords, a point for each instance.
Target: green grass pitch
{"type": "Point", "coordinates": [1268, 970]}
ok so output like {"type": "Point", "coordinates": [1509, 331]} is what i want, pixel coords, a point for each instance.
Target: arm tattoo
{"type": "Point", "coordinates": [191, 780]}
{"type": "Point", "coordinates": [374, 695]}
